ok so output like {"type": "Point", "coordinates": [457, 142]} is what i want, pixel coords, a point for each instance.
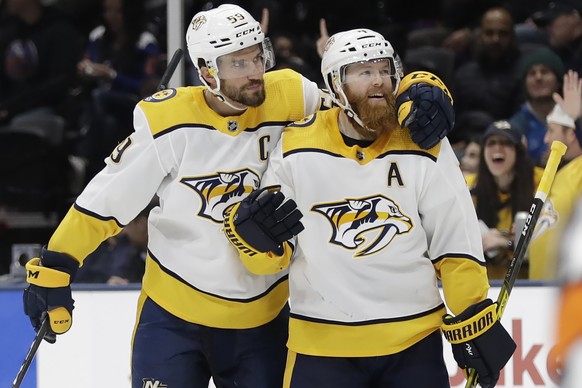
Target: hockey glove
{"type": "Point", "coordinates": [262, 222]}
{"type": "Point", "coordinates": [425, 107]}
{"type": "Point", "coordinates": [479, 341]}
{"type": "Point", "coordinates": [50, 292]}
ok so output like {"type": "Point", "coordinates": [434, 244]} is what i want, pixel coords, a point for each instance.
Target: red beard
{"type": "Point", "coordinates": [378, 119]}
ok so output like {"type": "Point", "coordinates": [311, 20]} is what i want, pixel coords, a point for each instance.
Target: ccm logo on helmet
{"type": "Point", "coordinates": [246, 32]}
{"type": "Point", "coordinates": [368, 45]}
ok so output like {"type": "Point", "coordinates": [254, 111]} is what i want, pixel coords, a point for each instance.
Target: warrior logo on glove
{"type": "Point", "coordinates": [262, 222]}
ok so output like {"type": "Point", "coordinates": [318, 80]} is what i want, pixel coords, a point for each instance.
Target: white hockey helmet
{"type": "Point", "coordinates": [359, 45]}
{"type": "Point", "coordinates": [224, 30]}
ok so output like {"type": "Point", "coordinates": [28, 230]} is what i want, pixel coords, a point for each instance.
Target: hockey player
{"type": "Point", "coordinates": [200, 149]}
{"type": "Point", "coordinates": [384, 220]}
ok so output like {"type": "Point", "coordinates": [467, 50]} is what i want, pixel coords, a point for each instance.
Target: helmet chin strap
{"type": "Point", "coordinates": [221, 97]}
{"type": "Point", "coordinates": [351, 114]}
{"type": "Point", "coordinates": [224, 100]}
{"type": "Point", "coordinates": [347, 108]}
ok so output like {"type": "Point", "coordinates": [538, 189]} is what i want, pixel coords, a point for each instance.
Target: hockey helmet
{"type": "Point", "coordinates": [359, 45]}
{"type": "Point", "coordinates": [224, 30]}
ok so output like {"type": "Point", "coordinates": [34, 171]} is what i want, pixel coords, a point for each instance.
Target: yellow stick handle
{"type": "Point", "coordinates": [558, 150]}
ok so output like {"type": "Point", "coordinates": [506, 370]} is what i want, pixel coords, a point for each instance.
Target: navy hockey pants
{"type": "Point", "coordinates": [170, 352]}
{"type": "Point", "coordinates": [421, 365]}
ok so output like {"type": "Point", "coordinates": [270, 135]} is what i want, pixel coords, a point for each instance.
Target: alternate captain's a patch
{"type": "Point", "coordinates": [161, 95]}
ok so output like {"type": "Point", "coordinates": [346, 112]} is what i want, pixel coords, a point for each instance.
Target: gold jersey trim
{"type": "Point", "coordinates": [362, 340]}
{"type": "Point", "coordinates": [192, 305]}
{"type": "Point", "coordinates": [320, 133]}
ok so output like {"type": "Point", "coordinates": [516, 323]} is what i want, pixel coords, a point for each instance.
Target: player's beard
{"type": "Point", "coordinates": [242, 96]}
{"type": "Point", "coordinates": [378, 119]}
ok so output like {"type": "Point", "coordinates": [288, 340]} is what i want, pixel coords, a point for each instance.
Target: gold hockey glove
{"type": "Point", "coordinates": [425, 106]}
{"type": "Point", "coordinates": [49, 291]}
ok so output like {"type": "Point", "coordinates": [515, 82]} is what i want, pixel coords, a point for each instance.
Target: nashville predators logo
{"type": "Point", "coordinates": [220, 190]}
{"type": "Point", "coordinates": [354, 221]}
{"type": "Point", "coordinates": [329, 43]}
{"type": "Point", "coordinates": [547, 220]}
{"type": "Point", "coordinates": [198, 22]}
{"type": "Point", "coordinates": [162, 95]}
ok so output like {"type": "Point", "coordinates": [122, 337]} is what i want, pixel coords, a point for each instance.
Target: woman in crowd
{"type": "Point", "coordinates": [504, 185]}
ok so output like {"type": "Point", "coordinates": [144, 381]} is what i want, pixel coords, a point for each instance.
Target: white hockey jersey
{"type": "Point", "coordinates": [382, 225]}
{"type": "Point", "coordinates": [198, 163]}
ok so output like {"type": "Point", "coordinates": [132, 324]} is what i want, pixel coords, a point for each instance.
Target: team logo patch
{"type": "Point", "coordinates": [198, 22]}
{"type": "Point", "coordinates": [161, 95]}
{"type": "Point", "coordinates": [547, 220]}
{"type": "Point", "coordinates": [376, 219]}
{"type": "Point", "coordinates": [120, 149]}
{"type": "Point", "coordinates": [219, 191]}
{"type": "Point", "coordinates": [153, 383]}
{"type": "Point", "coordinates": [330, 42]}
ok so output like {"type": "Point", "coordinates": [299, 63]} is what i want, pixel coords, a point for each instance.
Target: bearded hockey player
{"type": "Point", "coordinates": [378, 222]}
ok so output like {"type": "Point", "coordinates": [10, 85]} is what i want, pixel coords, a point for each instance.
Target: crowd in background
{"type": "Point", "coordinates": [71, 73]}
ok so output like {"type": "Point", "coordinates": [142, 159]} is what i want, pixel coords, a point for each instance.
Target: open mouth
{"type": "Point", "coordinates": [498, 158]}
{"type": "Point", "coordinates": [377, 98]}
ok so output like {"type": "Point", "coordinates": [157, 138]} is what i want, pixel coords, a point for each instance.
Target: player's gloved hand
{"type": "Point", "coordinates": [479, 341]}
{"type": "Point", "coordinates": [262, 222]}
{"type": "Point", "coordinates": [425, 106]}
{"type": "Point", "coordinates": [49, 291]}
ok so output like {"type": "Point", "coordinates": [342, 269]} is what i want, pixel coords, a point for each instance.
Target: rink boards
{"type": "Point", "coordinates": [96, 351]}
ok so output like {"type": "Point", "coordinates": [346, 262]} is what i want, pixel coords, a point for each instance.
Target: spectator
{"type": "Point", "coordinates": [287, 57]}
{"type": "Point", "coordinates": [562, 21]}
{"type": "Point", "coordinates": [470, 126]}
{"type": "Point", "coordinates": [470, 158]}
{"type": "Point", "coordinates": [567, 186]}
{"type": "Point", "coordinates": [120, 259]}
{"type": "Point", "coordinates": [38, 52]}
{"type": "Point", "coordinates": [540, 73]}
{"type": "Point", "coordinates": [119, 69]}
{"type": "Point", "coordinates": [488, 82]}
{"type": "Point", "coordinates": [504, 185]}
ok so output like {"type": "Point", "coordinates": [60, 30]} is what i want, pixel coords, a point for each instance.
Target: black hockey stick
{"type": "Point", "coordinates": [557, 151]}
{"type": "Point", "coordinates": [42, 331]}
{"type": "Point", "coordinates": [170, 69]}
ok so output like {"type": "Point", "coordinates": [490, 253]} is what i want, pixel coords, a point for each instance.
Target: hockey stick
{"type": "Point", "coordinates": [31, 352]}
{"type": "Point", "coordinates": [170, 69]}
{"type": "Point", "coordinates": [557, 151]}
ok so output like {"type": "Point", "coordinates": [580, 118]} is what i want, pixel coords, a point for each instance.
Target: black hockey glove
{"type": "Point", "coordinates": [425, 107]}
{"type": "Point", "coordinates": [479, 341]}
{"type": "Point", "coordinates": [49, 291]}
{"type": "Point", "coordinates": [262, 222]}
